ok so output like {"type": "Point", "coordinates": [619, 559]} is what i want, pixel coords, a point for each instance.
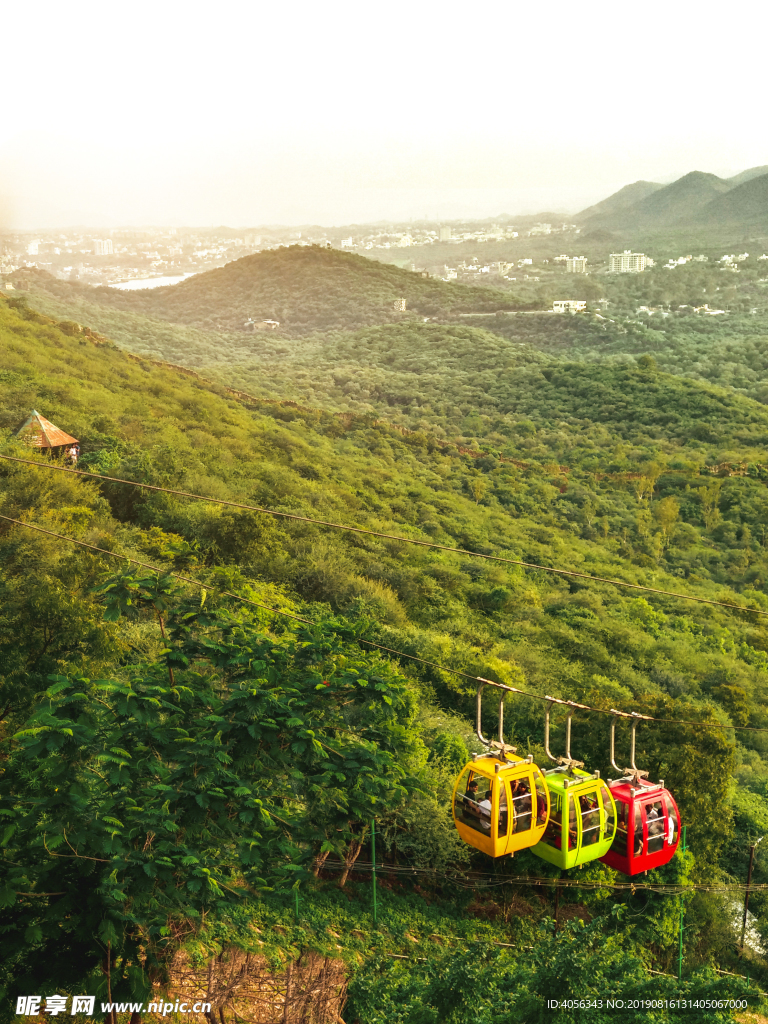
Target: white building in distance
{"type": "Point", "coordinates": [445, 233]}
{"type": "Point", "coordinates": [576, 265]}
{"type": "Point", "coordinates": [399, 305]}
{"type": "Point", "coordinates": [102, 246]}
{"type": "Point", "coordinates": [627, 262]}
{"type": "Point", "coordinates": [569, 306]}
{"type": "Point", "coordinates": [261, 325]}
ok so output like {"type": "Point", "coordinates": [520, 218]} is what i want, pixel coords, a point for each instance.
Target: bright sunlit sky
{"type": "Point", "coordinates": [265, 113]}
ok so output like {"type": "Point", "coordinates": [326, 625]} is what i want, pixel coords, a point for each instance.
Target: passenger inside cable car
{"type": "Point", "coordinates": [521, 804]}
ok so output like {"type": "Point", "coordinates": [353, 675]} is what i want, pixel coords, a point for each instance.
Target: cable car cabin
{"type": "Point", "coordinates": [500, 807]}
{"type": "Point", "coordinates": [648, 826]}
{"type": "Point", "coordinates": [582, 820]}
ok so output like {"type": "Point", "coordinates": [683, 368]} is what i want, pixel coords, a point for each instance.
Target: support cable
{"type": "Point", "coordinates": [391, 536]}
{"type": "Point", "coordinates": [632, 715]}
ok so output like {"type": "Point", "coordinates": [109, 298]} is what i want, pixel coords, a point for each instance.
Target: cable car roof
{"type": "Point", "coordinates": [629, 789]}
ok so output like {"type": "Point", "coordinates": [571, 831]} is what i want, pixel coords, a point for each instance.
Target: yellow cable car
{"type": "Point", "coordinates": [500, 805]}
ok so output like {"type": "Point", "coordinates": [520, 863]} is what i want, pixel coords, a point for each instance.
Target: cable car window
{"type": "Point", "coordinates": [657, 826]}
{"type": "Point", "coordinates": [503, 812]}
{"type": "Point", "coordinates": [608, 811]}
{"type": "Point", "coordinates": [521, 804]}
{"type": "Point", "coordinates": [590, 819]}
{"type": "Point", "coordinates": [469, 792]}
{"type": "Point", "coordinates": [571, 836]}
{"type": "Point", "coordinates": [637, 832]}
{"type": "Point", "coordinates": [673, 825]}
{"type": "Point", "coordinates": [541, 800]}
{"type": "Point", "coordinates": [619, 844]}
{"type": "Point", "coordinates": [553, 831]}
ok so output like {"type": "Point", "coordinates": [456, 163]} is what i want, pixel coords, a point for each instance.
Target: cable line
{"type": "Point", "coordinates": [664, 889]}
{"type": "Point", "coordinates": [390, 536]}
{"type": "Point", "coordinates": [613, 712]}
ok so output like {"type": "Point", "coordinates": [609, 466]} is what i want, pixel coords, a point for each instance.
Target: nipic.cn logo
{"type": "Point", "coordinates": [32, 1006]}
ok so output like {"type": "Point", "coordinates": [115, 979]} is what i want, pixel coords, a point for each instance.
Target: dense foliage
{"type": "Point", "coordinates": [600, 468]}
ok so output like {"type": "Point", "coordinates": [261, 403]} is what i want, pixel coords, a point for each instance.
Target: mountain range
{"type": "Point", "coordinates": [697, 199]}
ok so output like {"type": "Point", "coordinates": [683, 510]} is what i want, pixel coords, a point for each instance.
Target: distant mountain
{"type": "Point", "coordinates": [745, 204]}
{"type": "Point", "coordinates": [753, 172]}
{"type": "Point", "coordinates": [682, 201]}
{"type": "Point", "coordinates": [303, 288]}
{"type": "Point", "coordinates": [627, 196]}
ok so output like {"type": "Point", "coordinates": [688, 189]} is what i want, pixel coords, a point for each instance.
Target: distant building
{"type": "Point", "coordinates": [38, 432]}
{"type": "Point", "coordinates": [569, 306]}
{"type": "Point", "coordinates": [261, 325]}
{"type": "Point", "coordinates": [399, 305]}
{"type": "Point", "coordinates": [627, 262]}
{"type": "Point", "coordinates": [707, 311]}
{"type": "Point", "coordinates": [445, 234]}
{"type": "Point", "coordinates": [576, 265]}
{"type": "Point", "coordinates": [33, 249]}
{"type": "Point", "coordinates": [346, 243]}
{"type": "Point", "coordinates": [541, 229]}
{"type": "Point", "coordinates": [102, 246]}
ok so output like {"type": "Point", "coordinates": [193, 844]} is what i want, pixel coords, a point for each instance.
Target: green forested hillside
{"type": "Point", "coordinates": [610, 480]}
{"type": "Point", "coordinates": [305, 288]}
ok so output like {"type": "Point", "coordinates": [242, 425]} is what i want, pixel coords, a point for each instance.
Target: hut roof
{"type": "Point", "coordinates": [41, 433]}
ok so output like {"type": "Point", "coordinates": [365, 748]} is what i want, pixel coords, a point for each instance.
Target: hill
{"type": "Point", "coordinates": [745, 204]}
{"type": "Point", "coordinates": [627, 196]}
{"type": "Point", "coordinates": [695, 200]}
{"type": "Point", "coordinates": [304, 288]}
{"type": "Point", "coordinates": [748, 175]}
{"type": "Point", "coordinates": [223, 695]}
{"type": "Point", "coordinates": [681, 201]}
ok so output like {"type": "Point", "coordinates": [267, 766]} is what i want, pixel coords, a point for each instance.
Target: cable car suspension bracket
{"type": "Point", "coordinates": [566, 762]}
{"type": "Point", "coordinates": [499, 748]}
{"type": "Point", "coordinates": [632, 774]}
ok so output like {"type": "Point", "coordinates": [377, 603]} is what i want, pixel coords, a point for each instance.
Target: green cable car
{"type": "Point", "coordinates": [582, 820]}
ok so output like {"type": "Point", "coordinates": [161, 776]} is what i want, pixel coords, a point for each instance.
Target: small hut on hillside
{"type": "Point", "coordinates": [38, 432]}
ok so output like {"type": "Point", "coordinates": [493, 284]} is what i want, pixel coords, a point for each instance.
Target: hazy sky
{"type": "Point", "coordinates": [246, 114]}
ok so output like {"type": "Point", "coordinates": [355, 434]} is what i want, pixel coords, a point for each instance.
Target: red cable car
{"type": "Point", "coordinates": [648, 825]}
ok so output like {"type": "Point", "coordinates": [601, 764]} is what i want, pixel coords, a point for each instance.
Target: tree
{"type": "Point", "coordinates": [139, 807]}
{"type": "Point", "coordinates": [666, 512]}
{"type": "Point", "coordinates": [710, 498]}
{"type": "Point", "coordinates": [477, 488]}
